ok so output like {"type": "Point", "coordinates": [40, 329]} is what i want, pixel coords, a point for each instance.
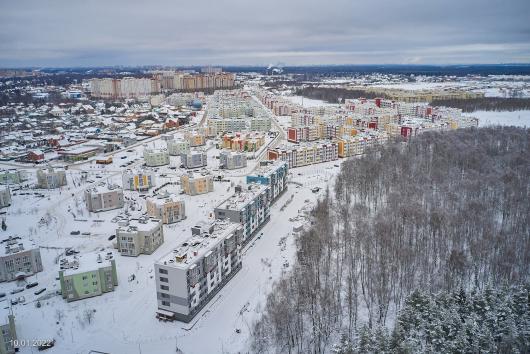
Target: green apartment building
{"type": "Point", "coordinates": [86, 276]}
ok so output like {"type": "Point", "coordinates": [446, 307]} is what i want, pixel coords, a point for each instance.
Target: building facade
{"type": "Point", "coordinates": [189, 276]}
{"type": "Point", "coordinates": [18, 259]}
{"type": "Point", "coordinates": [9, 332]}
{"type": "Point", "coordinates": [194, 159]}
{"type": "Point", "coordinates": [305, 154]}
{"type": "Point", "coordinates": [5, 197]}
{"type": "Point", "coordinates": [273, 174]}
{"type": "Point", "coordinates": [138, 180]}
{"type": "Point", "coordinates": [104, 198]}
{"type": "Point", "coordinates": [194, 184]}
{"type": "Point", "coordinates": [178, 147]}
{"type": "Point", "coordinates": [11, 177]}
{"type": "Point", "coordinates": [231, 160]}
{"type": "Point", "coordinates": [167, 208]}
{"type": "Point", "coordinates": [156, 157]}
{"type": "Point", "coordinates": [51, 178]}
{"type": "Point", "coordinates": [81, 277]}
{"type": "Point", "coordinates": [248, 206]}
{"type": "Point", "coordinates": [139, 236]}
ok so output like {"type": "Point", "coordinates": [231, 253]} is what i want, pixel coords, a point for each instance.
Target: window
{"type": "Point", "coordinates": [165, 303]}
{"type": "Point", "coordinates": [163, 279]}
{"type": "Point", "coordinates": [164, 295]}
{"type": "Point", "coordinates": [164, 287]}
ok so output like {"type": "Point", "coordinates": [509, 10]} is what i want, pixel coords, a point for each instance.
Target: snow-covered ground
{"type": "Point", "coordinates": [515, 118]}
{"type": "Point", "coordinates": [307, 102]}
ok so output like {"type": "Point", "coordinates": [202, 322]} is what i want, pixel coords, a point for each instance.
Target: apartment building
{"type": "Point", "coordinates": [156, 157]}
{"type": "Point", "coordinates": [103, 198]}
{"type": "Point", "coordinates": [178, 147]}
{"type": "Point", "coordinates": [167, 208]}
{"type": "Point", "coordinates": [8, 330]}
{"type": "Point", "coordinates": [249, 206]}
{"type": "Point", "coordinates": [305, 133]}
{"type": "Point", "coordinates": [139, 236]}
{"type": "Point", "coordinates": [273, 174]}
{"type": "Point", "coordinates": [87, 275]}
{"type": "Point", "coordinates": [5, 196]}
{"type": "Point", "coordinates": [51, 178]}
{"type": "Point", "coordinates": [218, 126]}
{"type": "Point", "coordinates": [127, 87]}
{"type": "Point", "coordinates": [231, 160]}
{"type": "Point", "coordinates": [260, 124]}
{"type": "Point", "coordinates": [305, 154]}
{"type": "Point", "coordinates": [189, 276]}
{"type": "Point", "coordinates": [249, 141]}
{"type": "Point", "coordinates": [194, 159]}
{"type": "Point", "coordinates": [195, 138]}
{"type": "Point", "coordinates": [18, 259]}
{"type": "Point", "coordinates": [195, 184]}
{"type": "Point", "coordinates": [11, 176]}
{"type": "Point", "coordinates": [138, 180]}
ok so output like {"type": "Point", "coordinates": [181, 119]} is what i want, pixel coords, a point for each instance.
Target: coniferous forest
{"type": "Point", "coordinates": [421, 246]}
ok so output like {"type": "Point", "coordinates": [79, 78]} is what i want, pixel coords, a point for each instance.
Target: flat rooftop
{"type": "Point", "coordinates": [140, 224]}
{"type": "Point", "coordinates": [164, 198]}
{"type": "Point", "coordinates": [267, 170]}
{"type": "Point", "coordinates": [240, 199]}
{"type": "Point", "coordinates": [103, 188]}
{"type": "Point", "coordinates": [15, 244]}
{"type": "Point", "coordinates": [197, 246]}
{"type": "Point", "coordinates": [86, 262]}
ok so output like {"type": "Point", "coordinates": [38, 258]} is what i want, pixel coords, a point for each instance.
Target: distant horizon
{"type": "Point", "coordinates": [139, 66]}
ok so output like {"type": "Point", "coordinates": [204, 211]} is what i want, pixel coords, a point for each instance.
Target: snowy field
{"type": "Point", "coordinates": [307, 102]}
{"type": "Point", "coordinates": [515, 118]}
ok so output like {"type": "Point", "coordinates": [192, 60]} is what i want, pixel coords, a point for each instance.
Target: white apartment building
{"type": "Point", "coordinates": [194, 159]}
{"type": "Point", "coordinates": [231, 160]}
{"type": "Point", "coordinates": [18, 259]}
{"type": "Point", "coordinates": [138, 180]}
{"type": "Point", "coordinates": [178, 147]}
{"type": "Point", "coordinates": [51, 178]}
{"type": "Point", "coordinates": [156, 157]}
{"type": "Point", "coordinates": [139, 236]}
{"type": "Point", "coordinates": [189, 276]}
{"type": "Point", "coordinates": [103, 198]}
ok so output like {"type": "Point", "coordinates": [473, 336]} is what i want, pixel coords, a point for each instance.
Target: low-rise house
{"type": "Point", "coordinates": [139, 236]}
{"type": "Point", "coordinates": [87, 275]}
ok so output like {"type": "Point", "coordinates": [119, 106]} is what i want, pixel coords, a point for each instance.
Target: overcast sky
{"type": "Point", "coordinates": [250, 32]}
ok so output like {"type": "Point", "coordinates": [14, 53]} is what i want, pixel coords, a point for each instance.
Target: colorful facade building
{"type": "Point", "coordinates": [139, 236]}
{"type": "Point", "coordinates": [138, 180]}
{"type": "Point", "coordinates": [195, 184]}
{"type": "Point", "coordinates": [167, 208]}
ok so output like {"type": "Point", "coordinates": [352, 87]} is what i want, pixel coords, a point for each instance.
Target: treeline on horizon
{"type": "Point", "coordinates": [445, 213]}
{"type": "Point", "coordinates": [333, 94]}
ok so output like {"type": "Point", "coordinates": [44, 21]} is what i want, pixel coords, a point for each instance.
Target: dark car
{"type": "Point", "coordinates": [40, 291]}
{"type": "Point", "coordinates": [112, 237]}
{"type": "Point", "coordinates": [31, 285]}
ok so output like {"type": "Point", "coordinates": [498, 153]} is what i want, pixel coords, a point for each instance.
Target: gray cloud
{"type": "Point", "coordinates": [297, 32]}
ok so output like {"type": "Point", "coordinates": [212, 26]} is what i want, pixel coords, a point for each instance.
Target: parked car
{"type": "Point", "coordinates": [31, 285]}
{"type": "Point", "coordinates": [17, 290]}
{"type": "Point", "coordinates": [75, 232]}
{"type": "Point", "coordinates": [40, 291]}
